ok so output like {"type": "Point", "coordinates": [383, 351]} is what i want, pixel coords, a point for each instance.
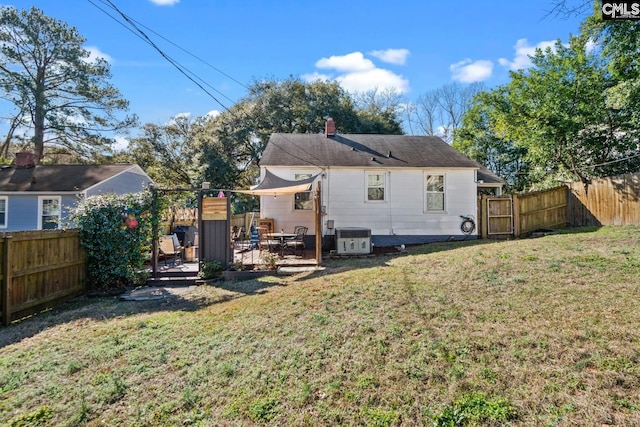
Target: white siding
{"type": "Point", "coordinates": [280, 208]}
{"type": "Point", "coordinates": [402, 213]}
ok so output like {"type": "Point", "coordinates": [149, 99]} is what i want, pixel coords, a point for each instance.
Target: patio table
{"type": "Point", "coordinates": [281, 237]}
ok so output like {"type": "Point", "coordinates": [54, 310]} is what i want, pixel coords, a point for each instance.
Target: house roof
{"type": "Point", "coordinates": [486, 178]}
{"type": "Point", "coordinates": [362, 150]}
{"type": "Point", "coordinates": [57, 178]}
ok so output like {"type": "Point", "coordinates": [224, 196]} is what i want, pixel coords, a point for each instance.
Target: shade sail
{"type": "Point", "coordinates": [272, 185]}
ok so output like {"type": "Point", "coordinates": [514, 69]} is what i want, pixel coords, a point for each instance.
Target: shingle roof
{"type": "Point", "coordinates": [362, 150]}
{"type": "Point", "coordinates": [57, 178]}
{"type": "Point", "coordinates": [487, 178]}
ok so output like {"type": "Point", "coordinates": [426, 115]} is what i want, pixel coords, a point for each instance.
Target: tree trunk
{"type": "Point", "coordinates": [39, 117]}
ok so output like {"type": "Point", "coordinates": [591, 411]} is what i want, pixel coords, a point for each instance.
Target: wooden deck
{"type": "Point", "coordinates": [186, 273]}
{"type": "Point", "coordinates": [252, 257]}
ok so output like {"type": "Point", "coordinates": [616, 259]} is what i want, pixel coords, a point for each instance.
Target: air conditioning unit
{"type": "Point", "coordinates": [353, 240]}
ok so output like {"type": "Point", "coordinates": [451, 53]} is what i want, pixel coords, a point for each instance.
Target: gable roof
{"type": "Point", "coordinates": [58, 178]}
{"type": "Point", "coordinates": [362, 150]}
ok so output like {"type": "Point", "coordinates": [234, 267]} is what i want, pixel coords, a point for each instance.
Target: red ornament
{"type": "Point", "coordinates": [131, 221]}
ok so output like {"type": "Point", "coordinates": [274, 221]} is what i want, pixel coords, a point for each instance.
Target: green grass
{"type": "Point", "coordinates": [526, 332]}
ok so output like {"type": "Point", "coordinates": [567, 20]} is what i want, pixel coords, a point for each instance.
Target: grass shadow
{"type": "Point", "coordinates": [104, 308]}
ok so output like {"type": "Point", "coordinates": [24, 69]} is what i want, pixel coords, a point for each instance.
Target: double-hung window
{"type": "Point", "coordinates": [435, 196]}
{"type": "Point", "coordinates": [3, 211]}
{"type": "Point", "coordinates": [49, 213]}
{"type": "Point", "coordinates": [376, 185]}
{"type": "Point", "coordinates": [302, 201]}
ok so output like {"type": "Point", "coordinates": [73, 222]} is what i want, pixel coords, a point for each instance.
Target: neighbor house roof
{"type": "Point", "coordinates": [362, 150]}
{"type": "Point", "coordinates": [58, 178]}
{"type": "Point", "coordinates": [486, 178]}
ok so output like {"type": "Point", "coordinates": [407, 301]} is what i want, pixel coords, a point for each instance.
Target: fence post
{"type": "Point", "coordinates": [516, 215]}
{"type": "Point", "coordinates": [6, 282]}
{"type": "Point", "coordinates": [485, 217]}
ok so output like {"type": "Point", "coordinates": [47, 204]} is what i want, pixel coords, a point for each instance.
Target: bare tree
{"type": "Point", "coordinates": [440, 111]}
{"type": "Point", "coordinates": [426, 113]}
{"type": "Point", "coordinates": [567, 8]}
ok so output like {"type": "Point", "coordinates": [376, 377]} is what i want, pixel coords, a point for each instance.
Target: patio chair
{"type": "Point", "coordinates": [170, 249]}
{"type": "Point", "coordinates": [272, 245]}
{"type": "Point", "coordinates": [297, 242]}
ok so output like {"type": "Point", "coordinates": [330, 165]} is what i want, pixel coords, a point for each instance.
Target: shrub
{"type": "Point", "coordinates": [116, 231]}
{"type": "Point", "coordinates": [209, 269]}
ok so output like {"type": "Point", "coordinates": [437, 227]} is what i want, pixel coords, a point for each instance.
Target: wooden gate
{"type": "Point", "coordinates": [497, 216]}
{"type": "Point", "coordinates": [520, 214]}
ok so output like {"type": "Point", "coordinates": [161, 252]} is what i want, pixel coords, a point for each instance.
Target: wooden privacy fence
{"type": "Point", "coordinates": [39, 269]}
{"type": "Point", "coordinates": [519, 214]}
{"type": "Point", "coordinates": [605, 201]}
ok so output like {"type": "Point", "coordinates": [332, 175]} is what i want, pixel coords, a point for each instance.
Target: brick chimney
{"type": "Point", "coordinates": [25, 160]}
{"type": "Point", "coordinates": [330, 128]}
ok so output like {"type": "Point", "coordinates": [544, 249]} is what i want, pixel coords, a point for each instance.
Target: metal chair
{"type": "Point", "coordinates": [297, 242]}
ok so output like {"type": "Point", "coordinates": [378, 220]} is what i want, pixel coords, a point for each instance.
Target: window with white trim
{"type": "Point", "coordinates": [3, 211]}
{"type": "Point", "coordinates": [302, 201]}
{"type": "Point", "coordinates": [376, 185]}
{"type": "Point", "coordinates": [435, 193]}
{"type": "Point", "coordinates": [50, 213]}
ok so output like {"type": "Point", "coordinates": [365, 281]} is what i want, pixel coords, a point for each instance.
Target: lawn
{"type": "Point", "coordinates": [539, 331]}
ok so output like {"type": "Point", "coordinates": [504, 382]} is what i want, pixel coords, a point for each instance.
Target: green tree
{"type": "Point", "coordinates": [167, 153]}
{"type": "Point", "coordinates": [619, 43]}
{"type": "Point", "coordinates": [477, 139]}
{"type": "Point", "coordinates": [558, 111]}
{"type": "Point", "coordinates": [44, 67]}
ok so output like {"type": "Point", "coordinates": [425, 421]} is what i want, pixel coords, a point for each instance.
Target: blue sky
{"type": "Point", "coordinates": [410, 45]}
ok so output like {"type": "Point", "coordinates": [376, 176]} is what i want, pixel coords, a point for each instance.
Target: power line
{"type": "Point", "coordinates": [616, 161]}
{"type": "Point", "coordinates": [132, 23]}
{"type": "Point", "coordinates": [192, 55]}
{"type": "Point", "coordinates": [141, 34]}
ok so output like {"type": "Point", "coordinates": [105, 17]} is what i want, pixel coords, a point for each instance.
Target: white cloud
{"type": "Point", "coordinates": [591, 46]}
{"type": "Point", "coordinates": [121, 143]}
{"type": "Point", "coordinates": [373, 79]}
{"type": "Point", "coordinates": [351, 62]}
{"type": "Point", "coordinates": [212, 114]}
{"type": "Point", "coordinates": [95, 53]}
{"type": "Point", "coordinates": [523, 52]}
{"type": "Point", "coordinates": [165, 2]}
{"type": "Point", "coordinates": [315, 76]}
{"type": "Point", "coordinates": [392, 56]}
{"type": "Point", "coordinates": [467, 71]}
{"type": "Point", "coordinates": [355, 73]}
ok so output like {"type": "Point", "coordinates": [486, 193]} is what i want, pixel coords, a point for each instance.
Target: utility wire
{"type": "Point", "coordinates": [132, 23]}
{"type": "Point", "coordinates": [616, 161]}
{"type": "Point", "coordinates": [146, 38]}
{"type": "Point", "coordinates": [192, 54]}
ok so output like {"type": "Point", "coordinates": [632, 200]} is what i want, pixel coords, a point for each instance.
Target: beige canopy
{"type": "Point", "coordinates": [272, 185]}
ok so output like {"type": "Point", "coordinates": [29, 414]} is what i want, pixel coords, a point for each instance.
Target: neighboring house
{"type": "Point", "coordinates": [405, 189]}
{"type": "Point", "coordinates": [39, 197]}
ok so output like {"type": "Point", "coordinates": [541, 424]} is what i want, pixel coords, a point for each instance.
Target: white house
{"type": "Point", "coordinates": [404, 189]}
